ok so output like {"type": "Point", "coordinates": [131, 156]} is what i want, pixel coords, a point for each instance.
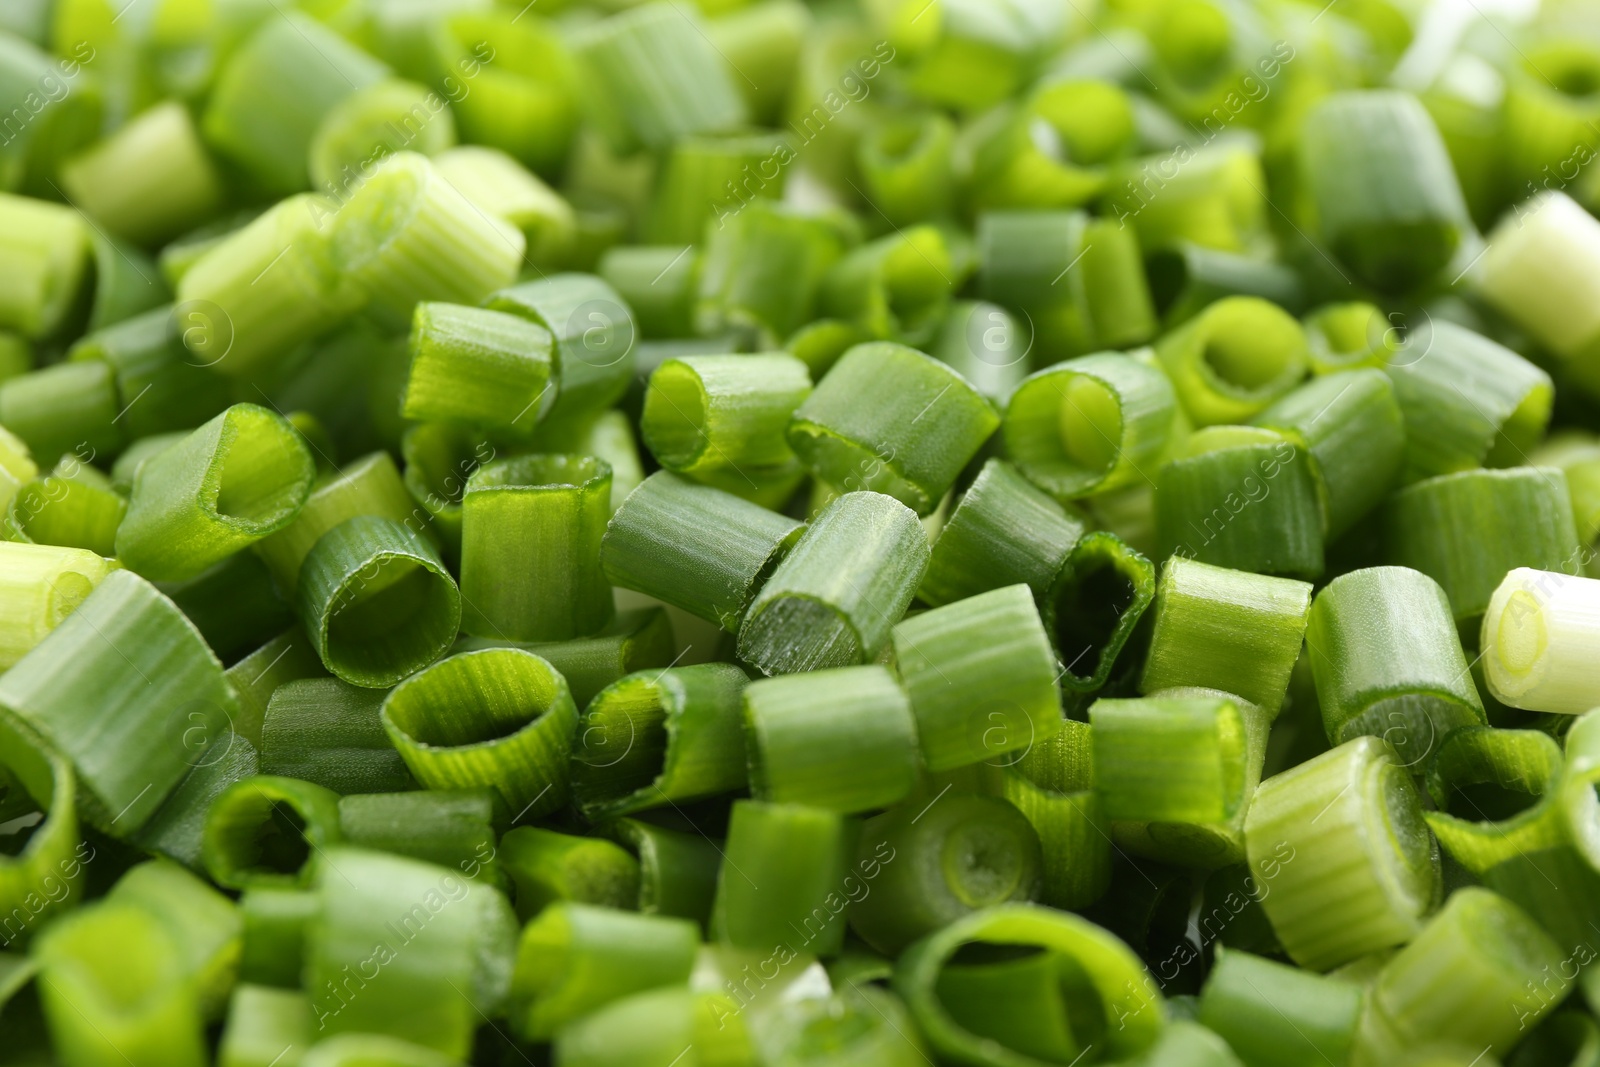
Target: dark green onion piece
{"type": "Point", "coordinates": [1242, 497]}
{"type": "Point", "coordinates": [889, 419]}
{"type": "Point", "coordinates": [126, 691]}
{"type": "Point", "coordinates": [546, 866]}
{"type": "Point", "coordinates": [47, 260]}
{"type": "Point", "coordinates": [501, 718]}
{"type": "Point", "coordinates": [1165, 759]}
{"type": "Point", "coordinates": [1093, 605]}
{"type": "Point", "coordinates": [264, 1022]}
{"type": "Point", "coordinates": [1112, 1001]}
{"type": "Point", "coordinates": [659, 737]}
{"type": "Point", "coordinates": [634, 640]}
{"type": "Point", "coordinates": [452, 828]}
{"type": "Point", "coordinates": [265, 832]}
{"type": "Point", "coordinates": [484, 368]}
{"type": "Point", "coordinates": [238, 478]}
{"type": "Point", "coordinates": [834, 598]}
{"type": "Point", "coordinates": [1388, 662]}
{"type": "Point", "coordinates": [1234, 359]}
{"type": "Point", "coordinates": [1002, 531]}
{"type": "Point", "coordinates": [65, 408]}
{"type": "Point", "coordinates": [576, 958]}
{"type": "Point", "coordinates": [326, 731]}
{"type": "Point", "coordinates": [843, 739]}
{"type": "Point", "coordinates": [1341, 842]}
{"type": "Point", "coordinates": [177, 829]}
{"type": "Point", "coordinates": [722, 413]}
{"type": "Point", "coordinates": [234, 604]}
{"type": "Point", "coordinates": [286, 658]}
{"type": "Point", "coordinates": [162, 387]}
{"type": "Point", "coordinates": [445, 942]}
{"type": "Point", "coordinates": [530, 548]}
{"type": "Point", "coordinates": [377, 601]}
{"type": "Point", "coordinates": [938, 863]}
{"type": "Point", "coordinates": [762, 270]}
{"type": "Point", "coordinates": [1466, 530]}
{"type": "Point", "coordinates": [694, 547]}
{"type": "Point", "coordinates": [1188, 278]}
{"type": "Point", "coordinates": [782, 878]}
{"type": "Point", "coordinates": [1279, 1016]}
{"type": "Point", "coordinates": [71, 512]}
{"type": "Point", "coordinates": [981, 677]}
{"type": "Point", "coordinates": [678, 870]}
{"type": "Point", "coordinates": [1216, 627]}
{"type": "Point", "coordinates": [45, 875]}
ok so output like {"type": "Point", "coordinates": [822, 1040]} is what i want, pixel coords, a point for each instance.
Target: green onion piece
{"type": "Point", "coordinates": [767, 38]}
{"type": "Point", "coordinates": [836, 595]}
{"type": "Point", "coordinates": [375, 121]}
{"type": "Point", "coordinates": [309, 69]}
{"type": "Point", "coordinates": [264, 1023]}
{"type": "Point", "coordinates": [906, 166]}
{"type": "Point", "coordinates": [113, 988]}
{"type": "Point", "coordinates": [595, 337]}
{"type": "Point", "coordinates": [149, 181]}
{"type": "Point", "coordinates": [659, 737]}
{"type": "Point", "coordinates": [896, 288]}
{"type": "Point", "coordinates": [1535, 654]}
{"type": "Point", "coordinates": [610, 438]}
{"type": "Point", "coordinates": [1388, 662]}
{"type": "Point", "coordinates": [707, 413]}
{"type": "Point", "coordinates": [450, 828]}
{"type": "Point", "coordinates": [1342, 842]}
{"type": "Point", "coordinates": [1080, 281]}
{"type": "Point", "coordinates": [124, 689]}
{"type": "Point", "coordinates": [500, 718]}
{"type": "Point", "coordinates": [1093, 605]}
{"type": "Point", "coordinates": [928, 866]}
{"type": "Point", "coordinates": [46, 249]}
{"type": "Point", "coordinates": [696, 173]}
{"type": "Point", "coordinates": [1190, 1045]}
{"type": "Point", "coordinates": [361, 1050]}
{"type": "Point", "coordinates": [1350, 427]}
{"type": "Point", "coordinates": [986, 345]}
{"type": "Point", "coordinates": [1164, 759]}
{"type": "Point", "coordinates": [45, 875]}
{"type": "Point", "coordinates": [1481, 972]}
{"type": "Point", "coordinates": [1216, 627]}
{"type": "Point", "coordinates": [694, 547]}
{"type": "Point", "coordinates": [505, 188]}
{"type": "Point", "coordinates": [1467, 530]}
{"type": "Point", "coordinates": [652, 77]}
{"type": "Point", "coordinates": [445, 940]}
{"type": "Point", "coordinates": [264, 832]}
{"type": "Point", "coordinates": [328, 732]}
{"type": "Point", "coordinates": [1467, 401]}
{"type": "Point", "coordinates": [238, 478]}
{"type": "Point", "coordinates": [1232, 360]}
{"type": "Point", "coordinates": [781, 884]}
{"type": "Point", "coordinates": [126, 282]}
{"type": "Point", "coordinates": [125, 469]}
{"type": "Point", "coordinates": [892, 420]}
{"type": "Point", "coordinates": [1211, 196]}
{"type": "Point", "coordinates": [40, 585]}
{"type": "Point", "coordinates": [65, 408]}
{"type": "Point", "coordinates": [234, 604]}
{"type": "Point", "coordinates": [1385, 194]}
{"type": "Point", "coordinates": [376, 601]}
{"type": "Point", "coordinates": [1350, 336]}
{"type": "Point", "coordinates": [980, 674]}
{"type": "Point", "coordinates": [406, 235]}
{"type": "Point", "coordinates": [484, 368]}
{"type": "Point", "coordinates": [1054, 149]}
{"type": "Point", "coordinates": [177, 829]}
{"type": "Point", "coordinates": [204, 925]}
{"type": "Point", "coordinates": [1106, 1000]}
{"type": "Point", "coordinates": [16, 465]}
{"type": "Point", "coordinates": [1090, 424]}
{"type": "Point", "coordinates": [275, 922]}
{"type": "Point", "coordinates": [1577, 454]}
{"type": "Point", "coordinates": [763, 269]}
{"type": "Point", "coordinates": [264, 289]}
{"type": "Point", "coordinates": [1278, 1016]}
{"type": "Point", "coordinates": [546, 867]}
{"type": "Point", "coordinates": [438, 461]}
{"type": "Point", "coordinates": [840, 739]}
{"type": "Point", "coordinates": [634, 640]}
{"type": "Point", "coordinates": [858, 1026]}
{"type": "Point", "coordinates": [575, 959]}
{"type": "Point", "coordinates": [656, 1028]}
{"type": "Point", "coordinates": [286, 658]}
{"type": "Point", "coordinates": [370, 485]}
{"type": "Point", "coordinates": [530, 548]}
{"type": "Point", "coordinates": [1003, 531]}
{"type": "Point", "coordinates": [678, 870]}
{"type": "Point", "coordinates": [659, 283]}
{"type": "Point", "coordinates": [1188, 278]}
{"type": "Point", "coordinates": [181, 253]}
{"type": "Point", "coordinates": [161, 386]}
{"type": "Point", "coordinates": [1242, 497]}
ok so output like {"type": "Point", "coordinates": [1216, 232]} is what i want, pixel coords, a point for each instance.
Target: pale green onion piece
{"type": "Point", "coordinates": [370, 124]}
{"type": "Point", "coordinates": [781, 884]}
{"type": "Point", "coordinates": [633, 641]}
{"type": "Point", "coordinates": [1536, 653]}
{"type": "Point", "coordinates": [264, 1024]}
{"type": "Point", "coordinates": [1167, 759]}
{"type": "Point", "coordinates": [653, 1029]}
{"type": "Point", "coordinates": [706, 413]}
{"type": "Point", "coordinates": [896, 288]}
{"type": "Point", "coordinates": [762, 269]}
{"type": "Point", "coordinates": [696, 174]}
{"type": "Point", "coordinates": [505, 188]}
{"type": "Point", "coordinates": [66, 408]}
{"type": "Point", "coordinates": [479, 367]}
{"type": "Point", "coordinates": [46, 252]}
{"type": "Point", "coordinates": [203, 923]}
{"type": "Point", "coordinates": [1351, 336]}
{"type": "Point", "coordinates": [1232, 360]}
{"type": "Point", "coordinates": [44, 876]}
{"type": "Point", "coordinates": [546, 866]}
{"type": "Point", "coordinates": [40, 585]}
{"type": "Point", "coordinates": [1054, 149]}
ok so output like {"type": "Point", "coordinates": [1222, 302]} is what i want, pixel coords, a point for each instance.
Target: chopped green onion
{"type": "Point", "coordinates": [505, 188]}
{"type": "Point", "coordinates": [781, 886]}
{"type": "Point", "coordinates": [1055, 149]}
{"type": "Point", "coordinates": [1093, 605]}
{"type": "Point", "coordinates": [1342, 843]}
{"type": "Point", "coordinates": [838, 593]}
{"type": "Point", "coordinates": [1273, 1015]}
{"type": "Point", "coordinates": [980, 674]}
{"type": "Point", "coordinates": [286, 658]}
{"type": "Point", "coordinates": [546, 867]}
{"type": "Point", "coordinates": [1216, 627]}
{"type": "Point", "coordinates": [1350, 336]}
{"type": "Point", "coordinates": [16, 465]}
{"type": "Point", "coordinates": [177, 829]}
{"type": "Point", "coordinates": [906, 165]}
{"type": "Point", "coordinates": [1535, 651]}
{"type": "Point", "coordinates": [986, 345]}
{"type": "Point", "coordinates": [678, 870]}
{"type": "Point", "coordinates": [841, 739]}
{"type": "Point", "coordinates": [483, 368]}
{"type": "Point", "coordinates": [1388, 662]}
{"type": "Point", "coordinates": [1188, 278]}
{"type": "Point", "coordinates": [40, 585]}
{"type": "Point", "coordinates": [634, 640]}
{"type": "Point", "coordinates": [1212, 196]}
{"type": "Point", "coordinates": [766, 37]}
{"type": "Point", "coordinates": [1232, 360]}
{"type": "Point", "coordinates": [706, 413]}
{"type": "Point", "coordinates": [275, 922]}
{"type": "Point", "coordinates": [328, 732]}
{"type": "Point", "coordinates": [859, 1026]}
{"type": "Point", "coordinates": [46, 254]}
{"type": "Point", "coordinates": [695, 174]}
{"type": "Point", "coordinates": [659, 283]}
{"type": "Point", "coordinates": [371, 123]}
{"type": "Point", "coordinates": [501, 718]}
{"type": "Point", "coordinates": [660, 737]}
{"type": "Point", "coordinates": [655, 1029]}
{"type": "Point", "coordinates": [65, 408]}
{"type": "Point", "coordinates": [1166, 759]}
{"type": "Point", "coordinates": [161, 386]}
{"type": "Point", "coordinates": [452, 828]}
{"type": "Point", "coordinates": [266, 831]}
{"type": "Point", "coordinates": [439, 459]}
{"type": "Point", "coordinates": [896, 288]}
{"type": "Point", "coordinates": [763, 270]}
{"type": "Point", "coordinates": [264, 1023]}
{"type": "Point", "coordinates": [45, 875]}
{"type": "Point", "coordinates": [530, 548]}
{"type": "Point", "coordinates": [203, 924]}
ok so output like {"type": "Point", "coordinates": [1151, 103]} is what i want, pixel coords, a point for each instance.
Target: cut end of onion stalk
{"type": "Point", "coordinates": [1539, 637]}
